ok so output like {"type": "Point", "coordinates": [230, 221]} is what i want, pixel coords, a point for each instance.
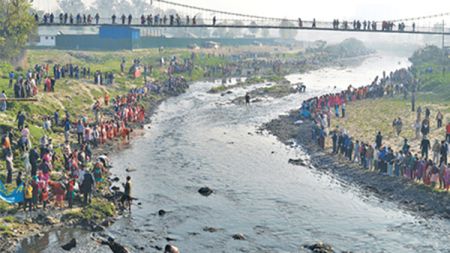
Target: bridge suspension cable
{"type": "Point", "coordinates": [422, 17]}
{"type": "Point", "coordinates": [222, 12]}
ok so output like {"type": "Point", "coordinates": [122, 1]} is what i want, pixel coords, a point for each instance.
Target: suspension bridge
{"type": "Point", "coordinates": [233, 20]}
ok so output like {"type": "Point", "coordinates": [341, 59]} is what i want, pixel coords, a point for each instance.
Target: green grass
{"type": "Point", "coordinates": [98, 210]}
{"type": "Point", "coordinates": [366, 117]}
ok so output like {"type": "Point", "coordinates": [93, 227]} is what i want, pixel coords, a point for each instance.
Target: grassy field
{"type": "Point", "coordinates": [366, 117]}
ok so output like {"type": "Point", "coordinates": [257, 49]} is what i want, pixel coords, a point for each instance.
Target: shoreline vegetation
{"type": "Point", "coordinates": [364, 118]}
{"type": "Point", "coordinates": [77, 95]}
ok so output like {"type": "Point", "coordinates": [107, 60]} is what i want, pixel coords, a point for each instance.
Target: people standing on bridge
{"type": "Point", "coordinates": [194, 20]}
{"type": "Point", "coordinates": [214, 20]}
{"type": "Point", "coordinates": [178, 19]}
{"type": "Point", "coordinates": [143, 20]}
{"type": "Point", "coordinates": [97, 18]}
{"type": "Point", "coordinates": [149, 19]}
{"type": "Point", "coordinates": [413, 26]}
{"type": "Point", "coordinates": [123, 19]}
{"type": "Point", "coordinates": [71, 19]}
{"type": "Point", "coordinates": [314, 23]}
{"type": "Point", "coordinates": [300, 23]}
{"type": "Point", "coordinates": [187, 20]}
{"type": "Point", "coordinates": [78, 18]}
{"type": "Point", "coordinates": [113, 18]}
{"type": "Point", "coordinates": [61, 18]}
{"type": "Point", "coordinates": [130, 19]}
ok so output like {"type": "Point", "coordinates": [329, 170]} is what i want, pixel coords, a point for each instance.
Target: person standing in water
{"type": "Point", "coordinates": [127, 194]}
{"type": "Point", "coordinates": [247, 98]}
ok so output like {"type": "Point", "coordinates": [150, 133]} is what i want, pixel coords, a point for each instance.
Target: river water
{"type": "Point", "coordinates": [200, 139]}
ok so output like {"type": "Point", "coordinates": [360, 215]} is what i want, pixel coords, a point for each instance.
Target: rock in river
{"type": "Point", "coordinates": [297, 162]}
{"type": "Point", "coordinates": [320, 247]}
{"type": "Point", "coordinates": [205, 191]}
{"type": "Point", "coordinates": [171, 249]}
{"type": "Point", "coordinates": [70, 245]}
{"type": "Point", "coordinates": [240, 237]}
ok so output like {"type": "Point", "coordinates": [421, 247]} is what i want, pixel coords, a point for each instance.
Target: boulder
{"type": "Point", "coordinates": [161, 212]}
{"type": "Point", "coordinates": [320, 247]}
{"type": "Point", "coordinates": [171, 249]}
{"type": "Point", "coordinates": [210, 229]}
{"type": "Point", "coordinates": [70, 245]}
{"type": "Point", "coordinates": [297, 162]}
{"type": "Point", "coordinates": [239, 237]}
{"type": "Point", "coordinates": [205, 191]}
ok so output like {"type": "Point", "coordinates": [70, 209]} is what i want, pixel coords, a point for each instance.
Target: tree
{"type": "Point", "coordinates": [17, 26]}
{"type": "Point", "coordinates": [72, 6]}
{"type": "Point", "coordinates": [287, 33]}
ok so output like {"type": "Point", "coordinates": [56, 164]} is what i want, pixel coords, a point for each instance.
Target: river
{"type": "Point", "coordinates": [200, 139]}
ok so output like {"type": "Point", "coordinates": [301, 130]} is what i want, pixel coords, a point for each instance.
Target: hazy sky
{"type": "Point", "coordinates": [319, 9]}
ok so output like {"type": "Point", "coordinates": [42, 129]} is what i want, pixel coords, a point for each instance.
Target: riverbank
{"type": "Point", "coordinates": [407, 194]}
{"type": "Point", "coordinates": [74, 96]}
{"type": "Point", "coordinates": [366, 116]}
{"type": "Point", "coordinates": [86, 94]}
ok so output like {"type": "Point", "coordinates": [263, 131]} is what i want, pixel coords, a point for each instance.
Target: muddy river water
{"type": "Point", "coordinates": [200, 139]}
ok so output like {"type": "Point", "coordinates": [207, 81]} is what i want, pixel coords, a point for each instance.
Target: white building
{"type": "Point", "coordinates": [46, 41]}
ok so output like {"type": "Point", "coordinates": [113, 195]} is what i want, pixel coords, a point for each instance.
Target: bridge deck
{"type": "Point", "coordinates": [419, 30]}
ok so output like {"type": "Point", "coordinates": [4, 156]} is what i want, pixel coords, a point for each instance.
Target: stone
{"type": "Point", "coordinates": [205, 191]}
{"type": "Point", "coordinates": [239, 237]}
{"type": "Point", "coordinates": [171, 249]}
{"type": "Point", "coordinates": [161, 212]}
{"type": "Point", "coordinates": [70, 245]}
{"type": "Point", "coordinates": [320, 247]}
{"type": "Point", "coordinates": [210, 229]}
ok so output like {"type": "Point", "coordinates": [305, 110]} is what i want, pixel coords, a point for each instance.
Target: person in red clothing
{"type": "Point", "coordinates": [70, 190]}
{"type": "Point", "coordinates": [44, 197]}
{"type": "Point", "coordinates": [448, 132]}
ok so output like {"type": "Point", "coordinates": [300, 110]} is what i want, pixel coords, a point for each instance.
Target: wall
{"type": "Point", "coordinates": [92, 42]}
{"type": "Point", "coordinates": [96, 42]}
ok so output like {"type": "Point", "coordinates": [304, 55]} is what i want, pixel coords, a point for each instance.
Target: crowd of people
{"type": "Point", "coordinates": [177, 20]}
{"type": "Point", "coordinates": [62, 173]}
{"type": "Point", "coordinates": [377, 156]}
{"type": "Point", "coordinates": [80, 171]}
{"type": "Point", "coordinates": [367, 25]}
{"type": "Point", "coordinates": [88, 19]}
{"type": "Point", "coordinates": [56, 177]}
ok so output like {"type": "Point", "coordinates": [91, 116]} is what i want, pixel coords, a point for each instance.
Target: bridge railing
{"type": "Point", "coordinates": [239, 23]}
